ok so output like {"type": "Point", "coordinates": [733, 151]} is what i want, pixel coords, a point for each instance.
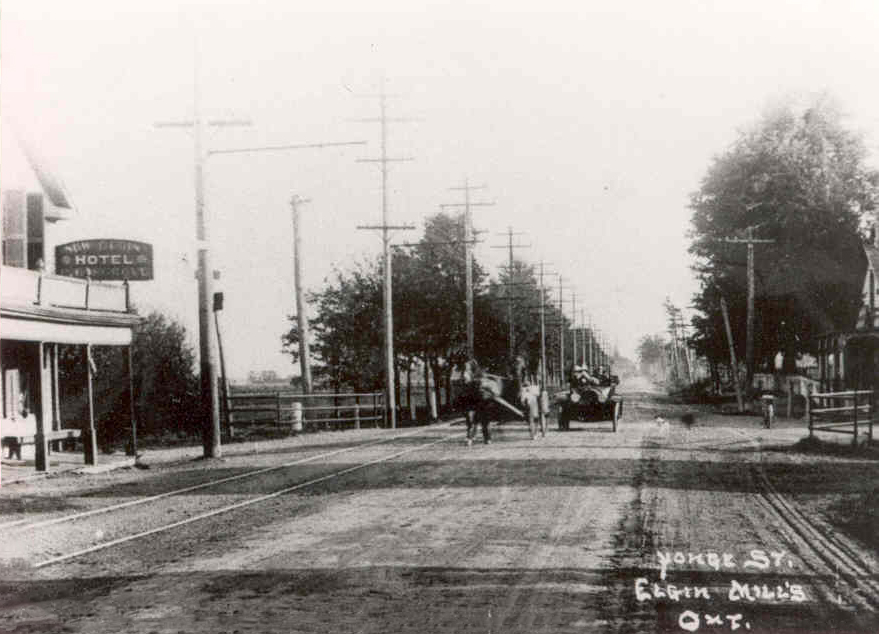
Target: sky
{"type": "Point", "coordinates": [589, 123]}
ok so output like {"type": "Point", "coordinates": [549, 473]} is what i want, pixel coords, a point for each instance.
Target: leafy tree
{"type": "Point", "coordinates": [347, 329]}
{"type": "Point", "coordinates": [651, 352]}
{"type": "Point", "coordinates": [797, 178]}
{"type": "Point", "coordinates": [167, 396]}
{"type": "Point", "coordinates": [430, 327]}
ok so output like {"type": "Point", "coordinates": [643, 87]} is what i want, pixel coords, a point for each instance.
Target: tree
{"type": "Point", "coordinates": [167, 397]}
{"type": "Point", "coordinates": [347, 329]}
{"type": "Point", "coordinates": [800, 179]}
{"type": "Point", "coordinates": [651, 353]}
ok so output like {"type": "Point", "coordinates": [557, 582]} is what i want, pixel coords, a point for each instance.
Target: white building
{"type": "Point", "coordinates": [40, 311]}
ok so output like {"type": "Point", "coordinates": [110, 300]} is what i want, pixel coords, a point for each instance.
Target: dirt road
{"type": "Point", "coordinates": [659, 527]}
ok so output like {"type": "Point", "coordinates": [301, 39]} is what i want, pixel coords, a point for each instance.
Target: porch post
{"type": "Point", "coordinates": [41, 445]}
{"type": "Point", "coordinates": [132, 444]}
{"type": "Point", "coordinates": [56, 390]}
{"type": "Point", "coordinates": [90, 445]}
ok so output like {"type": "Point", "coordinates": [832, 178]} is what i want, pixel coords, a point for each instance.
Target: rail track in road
{"type": "Point", "coordinates": [251, 500]}
{"type": "Point", "coordinates": [843, 581]}
{"type": "Point", "coordinates": [836, 555]}
{"type": "Point", "coordinates": [25, 524]}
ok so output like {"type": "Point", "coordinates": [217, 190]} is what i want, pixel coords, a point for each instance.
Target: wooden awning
{"type": "Point", "coordinates": [58, 332]}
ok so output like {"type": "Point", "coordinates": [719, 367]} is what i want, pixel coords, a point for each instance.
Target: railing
{"type": "Point", "coordinates": [799, 385]}
{"type": "Point", "coordinates": [42, 289]}
{"type": "Point", "coordinates": [317, 410]}
{"type": "Point", "coordinates": [841, 412]}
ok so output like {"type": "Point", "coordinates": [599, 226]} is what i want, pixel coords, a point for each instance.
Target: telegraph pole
{"type": "Point", "coordinates": [541, 415]}
{"type": "Point", "coordinates": [586, 335]}
{"type": "Point", "coordinates": [510, 246]}
{"type": "Point", "coordinates": [750, 240]}
{"type": "Point", "coordinates": [301, 317]}
{"type": "Point", "coordinates": [574, 328]}
{"type": "Point", "coordinates": [205, 273]}
{"type": "Point", "coordinates": [591, 344]}
{"type": "Point", "coordinates": [468, 253]}
{"type": "Point", "coordinates": [561, 330]}
{"type": "Point", "coordinates": [385, 227]}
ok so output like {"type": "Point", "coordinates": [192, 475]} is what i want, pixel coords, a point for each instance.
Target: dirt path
{"type": "Point", "coordinates": [518, 536]}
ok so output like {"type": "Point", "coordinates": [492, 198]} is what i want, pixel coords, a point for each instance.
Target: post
{"type": "Point", "coordinates": [732, 355]}
{"type": "Point", "coordinates": [510, 299]}
{"type": "Point", "coordinates": [131, 450]}
{"type": "Point", "coordinates": [586, 334]}
{"type": "Point", "coordinates": [468, 256]}
{"type": "Point", "coordinates": [561, 333]}
{"type": "Point", "coordinates": [278, 416]}
{"type": "Point", "coordinates": [541, 415]}
{"type": "Point", "coordinates": [41, 445]}
{"type": "Point", "coordinates": [56, 390]}
{"type": "Point", "coordinates": [749, 341]}
{"type": "Point", "coordinates": [809, 407]}
{"type": "Point", "coordinates": [357, 411]}
{"type": "Point", "coordinates": [574, 328]}
{"type": "Point", "coordinates": [90, 446]}
{"type": "Point", "coordinates": [870, 420]}
{"type": "Point", "coordinates": [207, 364]}
{"type": "Point", "coordinates": [591, 332]}
{"type": "Point", "coordinates": [224, 385]}
{"type": "Point", "coordinates": [790, 398]}
{"type": "Point", "coordinates": [375, 409]}
{"type": "Point", "coordinates": [301, 317]}
{"type": "Point", "coordinates": [855, 394]}
{"type": "Point", "coordinates": [297, 418]}
{"type": "Point", "coordinates": [431, 394]}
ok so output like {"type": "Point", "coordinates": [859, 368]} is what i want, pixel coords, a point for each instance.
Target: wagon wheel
{"type": "Point", "coordinates": [617, 411]}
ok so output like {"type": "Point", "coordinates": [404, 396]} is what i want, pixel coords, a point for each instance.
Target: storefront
{"type": "Point", "coordinates": [38, 314]}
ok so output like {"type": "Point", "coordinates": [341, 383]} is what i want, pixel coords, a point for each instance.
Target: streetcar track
{"type": "Point", "coordinates": [231, 507]}
{"type": "Point", "coordinates": [834, 554]}
{"type": "Point", "coordinates": [24, 524]}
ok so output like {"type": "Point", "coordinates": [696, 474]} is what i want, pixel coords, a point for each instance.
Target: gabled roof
{"type": "Point", "coordinates": [52, 185]}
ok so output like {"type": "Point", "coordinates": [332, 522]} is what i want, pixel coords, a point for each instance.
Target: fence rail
{"type": "Point", "coordinates": [304, 411]}
{"type": "Point", "coordinates": [841, 412]}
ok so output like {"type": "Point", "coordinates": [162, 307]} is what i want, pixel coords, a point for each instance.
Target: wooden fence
{"type": "Point", "coordinates": [280, 409]}
{"type": "Point", "coordinates": [841, 412]}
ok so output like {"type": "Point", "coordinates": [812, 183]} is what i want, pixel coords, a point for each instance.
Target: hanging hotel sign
{"type": "Point", "coordinates": [105, 260]}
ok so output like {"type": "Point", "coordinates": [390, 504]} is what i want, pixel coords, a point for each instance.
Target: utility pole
{"type": "Point", "coordinates": [468, 253]}
{"type": "Point", "coordinates": [205, 273]}
{"type": "Point", "coordinates": [561, 331]}
{"type": "Point", "coordinates": [585, 335]}
{"type": "Point", "coordinates": [732, 355]}
{"type": "Point", "coordinates": [541, 415]}
{"type": "Point", "coordinates": [385, 227]}
{"type": "Point", "coordinates": [679, 322]}
{"type": "Point", "coordinates": [301, 317]}
{"type": "Point", "coordinates": [591, 345]}
{"type": "Point", "coordinates": [574, 328]}
{"type": "Point", "coordinates": [750, 240]}
{"type": "Point", "coordinates": [510, 246]}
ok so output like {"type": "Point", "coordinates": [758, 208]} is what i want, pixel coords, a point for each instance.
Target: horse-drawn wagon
{"type": "Point", "coordinates": [491, 397]}
{"type": "Point", "coordinates": [589, 399]}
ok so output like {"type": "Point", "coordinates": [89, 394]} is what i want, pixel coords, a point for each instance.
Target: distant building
{"type": "Point", "coordinates": [40, 311]}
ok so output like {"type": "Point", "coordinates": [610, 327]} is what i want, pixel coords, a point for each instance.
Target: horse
{"type": "Point", "coordinates": [484, 393]}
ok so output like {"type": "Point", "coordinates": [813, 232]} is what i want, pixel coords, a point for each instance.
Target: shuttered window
{"type": "Point", "coordinates": [14, 229]}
